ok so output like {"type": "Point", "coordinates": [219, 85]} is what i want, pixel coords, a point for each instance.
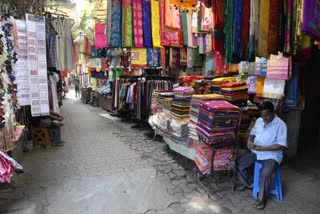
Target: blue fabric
{"type": "Point", "coordinates": [292, 90]}
{"type": "Point", "coordinates": [237, 30]}
{"type": "Point", "coordinates": [115, 39]}
{"type": "Point", "coordinates": [147, 38]}
{"type": "Point", "coordinates": [274, 133]}
{"type": "Point", "coordinates": [154, 57]}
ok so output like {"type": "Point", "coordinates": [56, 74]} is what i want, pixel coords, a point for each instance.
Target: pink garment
{"type": "Point", "coordinates": [100, 37]}
{"type": "Point", "coordinates": [137, 23]}
{"type": "Point", "coordinates": [6, 170]}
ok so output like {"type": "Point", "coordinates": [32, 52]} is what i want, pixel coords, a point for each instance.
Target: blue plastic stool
{"type": "Point", "coordinates": [277, 182]}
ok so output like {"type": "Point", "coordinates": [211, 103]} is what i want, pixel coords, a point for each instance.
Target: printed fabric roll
{"type": "Point", "coordinates": [137, 23]}
{"type": "Point", "coordinates": [154, 57]}
{"type": "Point", "coordinates": [263, 49]}
{"type": "Point", "coordinates": [127, 23]}
{"type": "Point", "coordinates": [155, 23]}
{"type": "Point", "coordinates": [147, 38]}
{"type": "Point", "coordinates": [115, 39]}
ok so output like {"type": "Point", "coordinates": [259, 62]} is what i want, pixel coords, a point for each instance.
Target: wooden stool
{"type": "Point", "coordinates": [40, 136]}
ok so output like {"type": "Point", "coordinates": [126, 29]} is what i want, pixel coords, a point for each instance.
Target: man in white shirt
{"type": "Point", "coordinates": [266, 143]}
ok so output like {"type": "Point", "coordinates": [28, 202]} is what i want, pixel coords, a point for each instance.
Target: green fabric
{"type": "Point", "coordinates": [197, 59]}
{"type": "Point", "coordinates": [184, 27]}
{"type": "Point", "coordinates": [127, 24]}
{"type": "Point", "coordinates": [229, 30]}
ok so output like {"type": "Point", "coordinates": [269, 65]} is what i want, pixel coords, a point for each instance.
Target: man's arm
{"type": "Point", "coordinates": [274, 147]}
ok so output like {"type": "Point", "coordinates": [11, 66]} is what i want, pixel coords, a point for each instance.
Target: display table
{"type": "Point", "coordinates": [187, 152]}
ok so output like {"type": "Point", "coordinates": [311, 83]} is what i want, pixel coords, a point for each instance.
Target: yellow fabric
{"type": "Point", "coordinates": [264, 29]}
{"type": "Point", "coordinates": [139, 57]}
{"type": "Point", "coordinates": [208, 96]}
{"type": "Point", "coordinates": [224, 79]}
{"type": "Point", "coordinates": [260, 86]}
{"type": "Point", "coordinates": [155, 23]}
{"type": "Point", "coordinates": [184, 4]}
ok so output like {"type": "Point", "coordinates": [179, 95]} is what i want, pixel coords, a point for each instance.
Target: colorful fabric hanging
{"type": "Point", "coordinates": [228, 29]}
{"type": "Point", "coordinates": [183, 57]}
{"type": "Point", "coordinates": [208, 43]}
{"type": "Point", "coordinates": [218, 39]}
{"type": "Point", "coordinates": [252, 84]}
{"type": "Point", "coordinates": [154, 57]}
{"type": "Point", "coordinates": [260, 86]}
{"type": "Point", "coordinates": [115, 39]}
{"type": "Point", "coordinates": [137, 23]}
{"type": "Point", "coordinates": [254, 26]}
{"type": "Point", "coordinates": [146, 8]}
{"type": "Point", "coordinates": [197, 59]}
{"type": "Point", "coordinates": [100, 36]}
{"type": "Point", "coordinates": [311, 19]}
{"type": "Point", "coordinates": [274, 22]}
{"type": "Point", "coordinates": [202, 43]}
{"type": "Point", "coordinates": [184, 27]}
{"type": "Point", "coordinates": [139, 57]}
{"type": "Point", "coordinates": [245, 28]}
{"type": "Point", "coordinates": [174, 60]}
{"type": "Point", "coordinates": [218, 18]}
{"type": "Point", "coordinates": [127, 22]}
{"type": "Point", "coordinates": [292, 89]}
{"type": "Point", "coordinates": [194, 22]}
{"type": "Point", "coordinates": [263, 49]}
{"type": "Point", "coordinates": [155, 23]}
{"type": "Point", "coordinates": [109, 13]}
{"type": "Point", "coordinates": [237, 31]}
{"type": "Point", "coordinates": [209, 66]}
{"type": "Point", "coordinates": [189, 57]}
{"type": "Point", "coordinates": [288, 26]}
{"type": "Point", "coordinates": [168, 36]}
{"type": "Point", "coordinates": [206, 18]}
{"type": "Point", "coordinates": [189, 30]}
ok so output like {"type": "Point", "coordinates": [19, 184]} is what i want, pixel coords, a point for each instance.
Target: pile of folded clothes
{"type": "Point", "coordinates": [224, 158]}
{"type": "Point", "coordinates": [216, 83]}
{"type": "Point", "coordinates": [236, 93]}
{"type": "Point", "coordinates": [194, 111]}
{"type": "Point", "coordinates": [180, 112]}
{"type": "Point", "coordinates": [217, 122]}
{"type": "Point", "coordinates": [155, 106]}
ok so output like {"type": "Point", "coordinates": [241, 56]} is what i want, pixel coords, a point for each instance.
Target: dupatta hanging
{"type": "Point", "coordinates": [147, 39]}
{"type": "Point", "coordinates": [155, 23]}
{"type": "Point", "coordinates": [115, 39]}
{"type": "Point", "coordinates": [263, 49]}
{"type": "Point", "coordinates": [137, 23]}
{"type": "Point", "coordinates": [127, 23]}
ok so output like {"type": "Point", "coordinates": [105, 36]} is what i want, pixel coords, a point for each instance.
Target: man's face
{"type": "Point", "coordinates": [267, 116]}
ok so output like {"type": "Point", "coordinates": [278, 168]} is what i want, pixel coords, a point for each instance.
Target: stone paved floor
{"type": "Point", "coordinates": [109, 166]}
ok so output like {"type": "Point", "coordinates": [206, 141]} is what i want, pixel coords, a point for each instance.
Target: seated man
{"type": "Point", "coordinates": [53, 122]}
{"type": "Point", "coordinates": [266, 143]}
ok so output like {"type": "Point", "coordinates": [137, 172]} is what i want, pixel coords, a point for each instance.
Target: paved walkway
{"type": "Point", "coordinates": [109, 166]}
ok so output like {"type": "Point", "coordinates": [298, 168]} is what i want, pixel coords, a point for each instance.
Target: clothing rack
{"type": "Point", "coordinates": [148, 77]}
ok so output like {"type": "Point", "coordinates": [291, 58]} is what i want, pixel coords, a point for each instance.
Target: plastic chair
{"type": "Point", "coordinates": [276, 181]}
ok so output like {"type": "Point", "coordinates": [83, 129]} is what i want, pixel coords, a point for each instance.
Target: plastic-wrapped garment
{"type": "Point", "coordinates": [7, 166]}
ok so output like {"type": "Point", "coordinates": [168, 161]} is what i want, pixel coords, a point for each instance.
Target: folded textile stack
{"type": "Point", "coordinates": [216, 83]}
{"type": "Point", "coordinates": [154, 101]}
{"type": "Point", "coordinates": [236, 93]}
{"type": "Point", "coordinates": [180, 106]}
{"type": "Point", "coordinates": [164, 101]}
{"type": "Point", "coordinates": [224, 158]}
{"type": "Point", "coordinates": [217, 122]}
{"type": "Point", "coordinates": [194, 111]}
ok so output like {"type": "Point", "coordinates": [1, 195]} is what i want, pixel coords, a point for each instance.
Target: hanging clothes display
{"type": "Point", "coordinates": [127, 23]}
{"type": "Point", "coordinates": [288, 26]}
{"type": "Point", "coordinates": [64, 43]}
{"type": "Point", "coordinates": [228, 29]}
{"type": "Point", "coordinates": [237, 30]}
{"type": "Point", "coordinates": [154, 57]}
{"type": "Point", "coordinates": [139, 57]}
{"type": "Point", "coordinates": [274, 22]}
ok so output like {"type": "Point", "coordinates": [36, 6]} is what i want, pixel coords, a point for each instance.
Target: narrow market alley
{"type": "Point", "coordinates": [107, 166]}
